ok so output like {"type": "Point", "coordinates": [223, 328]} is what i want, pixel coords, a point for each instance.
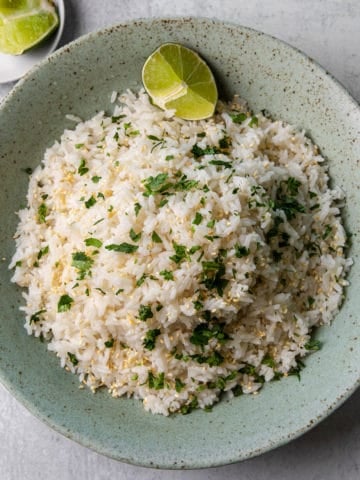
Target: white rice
{"type": "Point", "coordinates": [245, 240]}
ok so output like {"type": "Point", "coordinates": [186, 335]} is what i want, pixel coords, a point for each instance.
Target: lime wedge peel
{"type": "Point", "coordinates": [176, 77]}
{"type": "Point", "coordinates": [25, 23]}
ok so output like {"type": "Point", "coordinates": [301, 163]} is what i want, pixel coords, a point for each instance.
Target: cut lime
{"type": "Point", "coordinates": [177, 78]}
{"type": "Point", "coordinates": [25, 23]}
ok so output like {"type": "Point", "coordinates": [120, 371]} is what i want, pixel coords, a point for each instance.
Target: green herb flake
{"type": "Point", "coordinates": [269, 361]}
{"type": "Point", "coordinates": [313, 345]}
{"type": "Point", "coordinates": [154, 185]}
{"type": "Point", "coordinates": [64, 303]}
{"type": "Point", "coordinates": [221, 163]}
{"type": "Point", "coordinates": [150, 338]}
{"type": "Point", "coordinates": [115, 119]}
{"type": "Point", "coordinates": [167, 274]}
{"type": "Point", "coordinates": [141, 280]}
{"type": "Point", "coordinates": [35, 317]}
{"type": "Point", "coordinates": [254, 122]}
{"type": "Point", "coordinates": [93, 242]}
{"type": "Point", "coordinates": [212, 275]}
{"type": "Point", "coordinates": [137, 208]}
{"type": "Point", "coordinates": [155, 237]}
{"type": "Point", "coordinates": [156, 381]}
{"type": "Point", "coordinates": [238, 117]}
{"type": "Point", "coordinates": [90, 202]}
{"type": "Point", "coordinates": [82, 168]}
{"type": "Point", "coordinates": [180, 253]}
{"type": "Point", "coordinates": [109, 343]}
{"type": "Point", "coordinates": [122, 247]}
{"type": "Point", "coordinates": [95, 179]}
{"type": "Point", "coordinates": [198, 305]}
{"type": "Point", "coordinates": [211, 224]}
{"type": "Point", "coordinates": [73, 359]}
{"type": "Point", "coordinates": [179, 385]}
{"type": "Point", "coordinates": [120, 290]}
{"type": "Point", "coordinates": [198, 218]}
{"type": "Point", "coordinates": [135, 237]}
{"type": "Point", "coordinates": [42, 213]}
{"type": "Point", "coordinates": [82, 263]}
{"type": "Point", "coordinates": [241, 251]}
{"type": "Point", "coordinates": [208, 150]}
{"type": "Point", "coordinates": [327, 232]}
{"type": "Point", "coordinates": [169, 157]}
{"type": "Point", "coordinates": [311, 301]}
{"type": "Point", "coordinates": [43, 252]}
{"type": "Point", "coordinates": [79, 145]}
{"type": "Point", "coordinates": [145, 312]}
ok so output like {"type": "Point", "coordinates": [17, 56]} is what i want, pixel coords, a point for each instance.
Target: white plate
{"type": "Point", "coordinates": [13, 67]}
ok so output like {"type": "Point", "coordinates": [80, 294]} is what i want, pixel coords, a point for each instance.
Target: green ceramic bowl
{"type": "Point", "coordinates": [79, 79]}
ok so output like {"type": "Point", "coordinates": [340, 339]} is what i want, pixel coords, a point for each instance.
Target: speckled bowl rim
{"type": "Point", "coordinates": [233, 456]}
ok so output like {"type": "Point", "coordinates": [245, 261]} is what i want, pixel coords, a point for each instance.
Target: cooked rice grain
{"type": "Point", "coordinates": [174, 260]}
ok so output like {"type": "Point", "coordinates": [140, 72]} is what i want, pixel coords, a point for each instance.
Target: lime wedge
{"type": "Point", "coordinates": [25, 23]}
{"type": "Point", "coordinates": [177, 78]}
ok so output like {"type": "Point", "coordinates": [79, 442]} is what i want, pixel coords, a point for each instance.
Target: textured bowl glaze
{"type": "Point", "coordinates": [79, 79]}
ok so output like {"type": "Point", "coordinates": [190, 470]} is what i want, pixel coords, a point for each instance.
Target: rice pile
{"type": "Point", "coordinates": [172, 260]}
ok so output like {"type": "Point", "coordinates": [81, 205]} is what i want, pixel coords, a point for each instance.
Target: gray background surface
{"type": "Point", "coordinates": [329, 32]}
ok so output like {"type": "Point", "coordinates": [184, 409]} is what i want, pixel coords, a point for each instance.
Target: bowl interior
{"type": "Point", "coordinates": [79, 79]}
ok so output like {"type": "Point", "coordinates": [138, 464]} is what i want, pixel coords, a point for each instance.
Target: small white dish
{"type": "Point", "coordinates": [13, 67]}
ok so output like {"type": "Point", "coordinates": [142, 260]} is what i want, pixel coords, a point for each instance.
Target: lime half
{"type": "Point", "coordinates": [25, 23]}
{"type": "Point", "coordinates": [177, 78]}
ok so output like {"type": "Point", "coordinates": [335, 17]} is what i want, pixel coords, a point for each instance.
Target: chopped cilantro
{"type": "Point", "coordinates": [221, 163]}
{"type": "Point", "coordinates": [241, 251]}
{"type": "Point", "coordinates": [296, 370]}
{"type": "Point", "coordinates": [327, 231]}
{"type": "Point", "coordinates": [180, 253]}
{"type": "Point", "coordinates": [313, 345]}
{"type": "Point", "coordinates": [208, 150]}
{"type": "Point", "coordinates": [198, 305]}
{"type": "Point", "coordinates": [186, 409]}
{"type": "Point", "coordinates": [141, 280]}
{"type": "Point", "coordinates": [115, 119]}
{"type": "Point", "coordinates": [156, 184]}
{"type": "Point", "coordinates": [156, 381]}
{"type": "Point", "coordinates": [293, 186]}
{"type": "Point", "coordinates": [254, 122]}
{"type": "Point", "coordinates": [82, 263]}
{"type": "Point", "coordinates": [137, 208]}
{"type": "Point", "coordinates": [167, 274]}
{"type": "Point", "coordinates": [122, 247]}
{"type": "Point", "coordinates": [42, 213]}
{"type": "Point", "coordinates": [169, 157]}
{"type": "Point", "coordinates": [73, 359]}
{"type": "Point", "coordinates": [79, 145]}
{"type": "Point", "coordinates": [179, 385]}
{"type": "Point", "coordinates": [90, 202]}
{"type": "Point", "coordinates": [238, 117]}
{"type": "Point", "coordinates": [145, 312]}
{"type": "Point", "coordinates": [202, 333]}
{"type": "Point", "coordinates": [64, 303]}
{"type": "Point", "coordinates": [269, 361]}
{"type": "Point", "coordinates": [43, 252]}
{"type": "Point", "coordinates": [82, 168]}
{"type": "Point", "coordinates": [198, 218]}
{"type": "Point", "coordinates": [93, 242]}
{"type": "Point", "coordinates": [109, 343]}
{"type": "Point", "coordinates": [311, 301]}
{"type": "Point", "coordinates": [35, 317]}
{"type": "Point", "coordinates": [150, 338]}
{"type": "Point", "coordinates": [135, 237]}
{"type": "Point", "coordinates": [95, 179]}
{"type": "Point", "coordinates": [213, 360]}
{"type": "Point", "coordinates": [212, 275]}
{"type": "Point", "coordinates": [155, 237]}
